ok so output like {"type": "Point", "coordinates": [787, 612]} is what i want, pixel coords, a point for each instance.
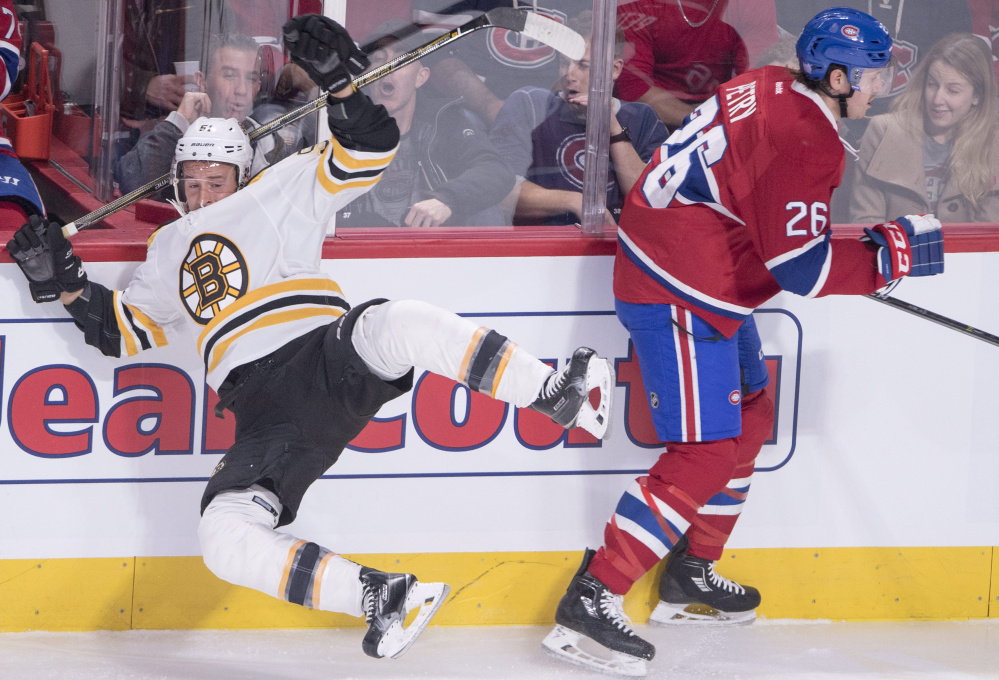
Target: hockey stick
{"type": "Point", "coordinates": [937, 318]}
{"type": "Point", "coordinates": [557, 36]}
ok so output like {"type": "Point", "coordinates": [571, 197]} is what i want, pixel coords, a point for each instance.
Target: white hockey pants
{"type": "Point", "coordinates": [237, 531]}
{"type": "Point", "coordinates": [394, 336]}
{"type": "Point", "coordinates": [239, 545]}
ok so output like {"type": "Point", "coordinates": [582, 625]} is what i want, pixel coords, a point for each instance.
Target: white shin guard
{"type": "Point", "coordinates": [394, 336]}
{"type": "Point", "coordinates": [240, 545]}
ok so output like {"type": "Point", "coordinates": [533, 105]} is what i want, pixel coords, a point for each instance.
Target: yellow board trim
{"type": "Point", "coordinates": [852, 584]}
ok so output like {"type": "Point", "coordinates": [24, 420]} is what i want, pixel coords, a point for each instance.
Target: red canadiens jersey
{"type": "Point", "coordinates": [10, 46]}
{"type": "Point", "coordinates": [691, 58]}
{"type": "Point", "coordinates": [734, 207]}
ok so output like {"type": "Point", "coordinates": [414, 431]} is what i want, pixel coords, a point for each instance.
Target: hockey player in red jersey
{"type": "Point", "coordinates": [18, 195]}
{"type": "Point", "coordinates": [731, 210]}
{"type": "Point", "coordinates": [238, 279]}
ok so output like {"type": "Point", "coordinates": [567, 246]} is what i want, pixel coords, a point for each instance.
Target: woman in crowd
{"type": "Point", "coordinates": [938, 150]}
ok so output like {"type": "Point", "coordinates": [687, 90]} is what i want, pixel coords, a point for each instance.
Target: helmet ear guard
{"type": "Point", "coordinates": [219, 140]}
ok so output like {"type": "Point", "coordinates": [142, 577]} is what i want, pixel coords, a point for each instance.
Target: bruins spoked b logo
{"type": "Point", "coordinates": [212, 277]}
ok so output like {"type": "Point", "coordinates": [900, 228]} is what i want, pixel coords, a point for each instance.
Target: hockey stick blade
{"type": "Point", "coordinates": [548, 31]}
{"type": "Point", "coordinates": [558, 36]}
{"type": "Point", "coordinates": [937, 318]}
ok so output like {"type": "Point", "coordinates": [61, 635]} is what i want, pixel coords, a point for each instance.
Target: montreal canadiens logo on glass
{"type": "Point", "coordinates": [851, 32]}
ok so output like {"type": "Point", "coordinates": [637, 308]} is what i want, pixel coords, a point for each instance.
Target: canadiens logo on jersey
{"type": "Point", "coordinates": [571, 154]}
{"type": "Point", "coordinates": [906, 54]}
{"type": "Point", "coordinates": [212, 276]}
{"type": "Point", "coordinates": [513, 49]}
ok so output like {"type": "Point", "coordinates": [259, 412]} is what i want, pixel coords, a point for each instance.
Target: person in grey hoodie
{"type": "Point", "coordinates": [446, 171]}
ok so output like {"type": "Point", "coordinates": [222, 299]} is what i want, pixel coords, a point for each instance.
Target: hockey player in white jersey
{"type": "Point", "coordinates": [240, 281]}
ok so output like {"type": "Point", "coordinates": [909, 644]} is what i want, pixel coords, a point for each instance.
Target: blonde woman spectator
{"type": "Point", "coordinates": [938, 150]}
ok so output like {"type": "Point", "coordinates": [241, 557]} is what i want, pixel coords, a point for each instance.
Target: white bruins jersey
{"type": "Point", "coordinates": [240, 278]}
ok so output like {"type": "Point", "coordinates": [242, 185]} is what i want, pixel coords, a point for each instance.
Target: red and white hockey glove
{"type": "Point", "coordinates": [909, 246]}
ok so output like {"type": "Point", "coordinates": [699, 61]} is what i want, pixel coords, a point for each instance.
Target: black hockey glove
{"type": "Point", "coordinates": [47, 260]}
{"type": "Point", "coordinates": [324, 50]}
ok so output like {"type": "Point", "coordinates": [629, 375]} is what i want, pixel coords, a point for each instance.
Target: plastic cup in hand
{"type": "Point", "coordinates": [187, 69]}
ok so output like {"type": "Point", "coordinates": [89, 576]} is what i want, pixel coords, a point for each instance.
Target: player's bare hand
{"type": "Point", "coordinates": [165, 92]}
{"type": "Point", "coordinates": [429, 213]}
{"type": "Point", "coordinates": [194, 105]}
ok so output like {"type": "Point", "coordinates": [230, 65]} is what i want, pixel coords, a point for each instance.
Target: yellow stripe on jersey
{"type": "Point", "coordinates": [254, 296]}
{"type": "Point", "coordinates": [343, 158]}
{"type": "Point", "coordinates": [131, 347]}
{"type": "Point", "coordinates": [349, 162]}
{"type": "Point", "coordinates": [159, 338]}
{"type": "Point", "coordinates": [219, 350]}
{"type": "Point", "coordinates": [332, 187]}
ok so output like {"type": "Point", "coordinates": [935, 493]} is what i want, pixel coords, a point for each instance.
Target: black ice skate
{"type": "Point", "coordinates": [690, 592]}
{"type": "Point", "coordinates": [565, 395]}
{"type": "Point", "coordinates": [590, 613]}
{"type": "Point", "coordinates": [386, 599]}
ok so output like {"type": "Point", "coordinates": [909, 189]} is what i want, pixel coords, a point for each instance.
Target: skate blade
{"type": "Point", "coordinates": [599, 375]}
{"type": "Point", "coordinates": [428, 597]}
{"type": "Point", "coordinates": [666, 614]}
{"type": "Point", "coordinates": [563, 643]}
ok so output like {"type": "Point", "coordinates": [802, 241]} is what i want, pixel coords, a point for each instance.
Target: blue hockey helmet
{"type": "Point", "coordinates": [850, 38]}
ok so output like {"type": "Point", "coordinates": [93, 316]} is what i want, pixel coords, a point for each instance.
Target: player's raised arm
{"type": "Point", "coordinates": [325, 50]}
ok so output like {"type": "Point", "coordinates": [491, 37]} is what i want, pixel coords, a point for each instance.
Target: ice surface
{"type": "Point", "coordinates": [764, 650]}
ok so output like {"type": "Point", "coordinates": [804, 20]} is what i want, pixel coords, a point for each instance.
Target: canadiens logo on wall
{"type": "Point", "coordinates": [513, 49]}
{"type": "Point", "coordinates": [212, 276]}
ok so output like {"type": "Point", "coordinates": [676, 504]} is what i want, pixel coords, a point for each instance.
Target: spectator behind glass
{"type": "Point", "coordinates": [226, 89]}
{"type": "Point", "coordinates": [152, 41]}
{"type": "Point", "coordinates": [781, 53]}
{"type": "Point", "coordinates": [542, 135]}
{"type": "Point", "coordinates": [19, 198]}
{"type": "Point", "coordinates": [683, 49]}
{"type": "Point", "coordinates": [488, 65]}
{"type": "Point", "coordinates": [914, 25]}
{"type": "Point", "coordinates": [938, 151]}
{"type": "Point", "coordinates": [445, 172]}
